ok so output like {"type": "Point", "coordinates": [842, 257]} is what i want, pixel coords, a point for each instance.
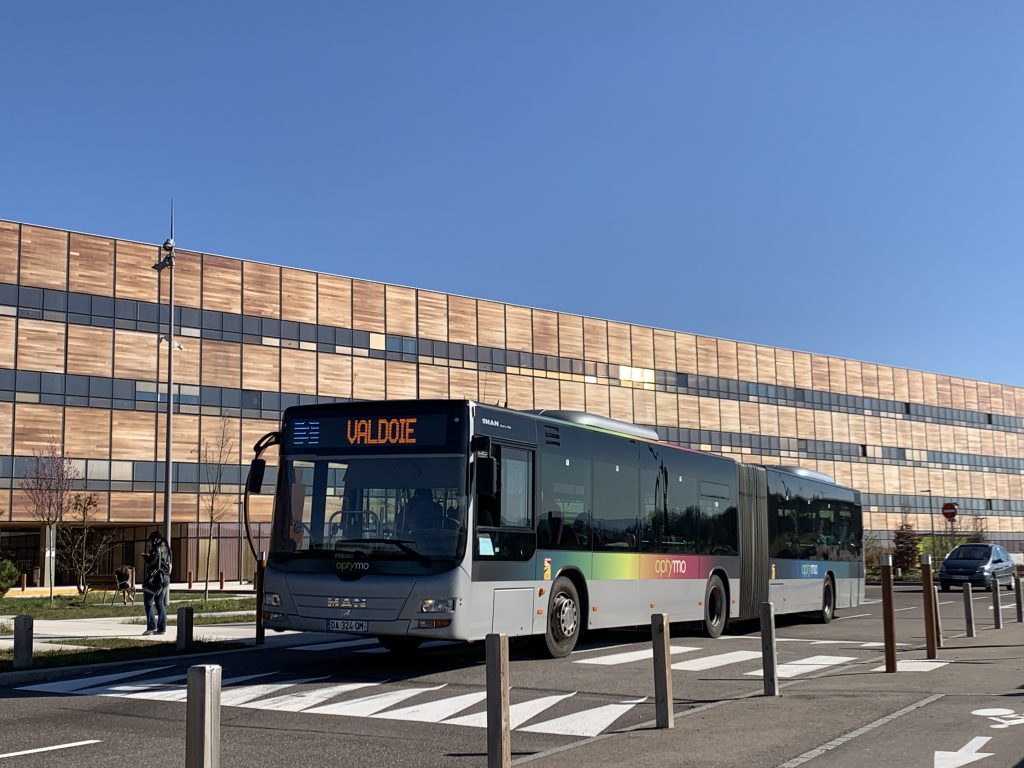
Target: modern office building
{"type": "Point", "coordinates": [81, 366]}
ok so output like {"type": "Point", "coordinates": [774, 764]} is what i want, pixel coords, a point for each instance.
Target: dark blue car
{"type": "Point", "coordinates": [977, 564]}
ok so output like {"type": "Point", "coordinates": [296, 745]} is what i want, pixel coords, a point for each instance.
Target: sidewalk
{"type": "Point", "coordinates": [198, 587]}
{"type": "Point", "coordinates": [56, 634]}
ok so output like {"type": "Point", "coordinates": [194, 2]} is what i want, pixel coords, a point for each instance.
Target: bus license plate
{"type": "Point", "coordinates": [344, 625]}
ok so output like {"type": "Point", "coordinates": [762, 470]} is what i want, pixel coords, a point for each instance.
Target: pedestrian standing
{"type": "Point", "coordinates": [155, 583]}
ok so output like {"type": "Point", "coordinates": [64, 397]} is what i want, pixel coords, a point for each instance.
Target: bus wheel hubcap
{"type": "Point", "coordinates": [566, 616]}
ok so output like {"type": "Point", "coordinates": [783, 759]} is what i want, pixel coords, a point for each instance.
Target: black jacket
{"type": "Point", "coordinates": [158, 568]}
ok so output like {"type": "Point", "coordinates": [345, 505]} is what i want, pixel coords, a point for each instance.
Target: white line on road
{"type": "Point", "coordinates": [855, 616]}
{"type": "Point", "coordinates": [630, 656]}
{"type": "Point", "coordinates": [905, 609]}
{"type": "Point", "coordinates": [50, 749]}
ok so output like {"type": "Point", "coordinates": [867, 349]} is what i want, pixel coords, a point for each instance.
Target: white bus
{"type": "Point", "coordinates": [418, 520]}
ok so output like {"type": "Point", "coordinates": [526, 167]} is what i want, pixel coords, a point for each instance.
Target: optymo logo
{"type": "Point", "coordinates": [348, 566]}
{"type": "Point", "coordinates": [665, 567]}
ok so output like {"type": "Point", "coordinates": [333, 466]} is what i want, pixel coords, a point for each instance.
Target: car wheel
{"type": "Point", "coordinates": [716, 608]}
{"type": "Point", "coordinates": [564, 618]}
{"type": "Point", "coordinates": [944, 587]}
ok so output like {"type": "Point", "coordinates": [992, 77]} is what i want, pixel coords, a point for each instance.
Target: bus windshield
{"type": "Point", "coordinates": [383, 508]}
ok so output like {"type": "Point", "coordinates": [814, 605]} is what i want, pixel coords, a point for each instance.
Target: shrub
{"type": "Point", "coordinates": [9, 575]}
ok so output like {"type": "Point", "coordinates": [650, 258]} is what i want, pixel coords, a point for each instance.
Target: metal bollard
{"type": "Point", "coordinates": [499, 741]}
{"type": "Point", "coordinates": [662, 641]}
{"type": "Point", "coordinates": [997, 606]}
{"type": "Point", "coordinates": [931, 650]}
{"type": "Point", "coordinates": [938, 618]}
{"type": "Point", "coordinates": [222, 580]}
{"type": "Point", "coordinates": [23, 642]}
{"type": "Point", "coordinates": [1020, 598]}
{"type": "Point", "coordinates": [969, 609]}
{"type": "Point", "coordinates": [261, 567]}
{"type": "Point", "coordinates": [24, 582]}
{"type": "Point", "coordinates": [183, 641]}
{"type": "Point", "coordinates": [888, 615]}
{"type": "Point", "coordinates": [769, 658]}
{"type": "Point", "coordinates": [202, 717]}
{"type": "Point", "coordinates": [190, 579]}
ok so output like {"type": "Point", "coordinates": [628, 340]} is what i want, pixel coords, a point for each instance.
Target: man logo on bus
{"type": "Point", "coordinates": [665, 567]}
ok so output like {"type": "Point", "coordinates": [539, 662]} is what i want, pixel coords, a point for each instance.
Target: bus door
{"type": "Point", "coordinates": [505, 540]}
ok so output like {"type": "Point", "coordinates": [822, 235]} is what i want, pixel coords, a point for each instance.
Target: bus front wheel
{"type": "Point", "coordinates": [563, 625]}
{"type": "Point", "coordinates": [716, 607]}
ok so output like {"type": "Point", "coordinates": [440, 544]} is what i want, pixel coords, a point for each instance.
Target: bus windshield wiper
{"type": "Point", "coordinates": [400, 543]}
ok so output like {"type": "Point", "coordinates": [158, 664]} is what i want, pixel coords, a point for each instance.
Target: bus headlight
{"type": "Point", "coordinates": [271, 598]}
{"type": "Point", "coordinates": [438, 605]}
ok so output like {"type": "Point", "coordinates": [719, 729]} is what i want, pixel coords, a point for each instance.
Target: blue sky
{"type": "Point", "coordinates": [837, 178]}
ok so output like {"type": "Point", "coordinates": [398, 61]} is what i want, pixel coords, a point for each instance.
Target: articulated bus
{"type": "Point", "coordinates": [424, 520]}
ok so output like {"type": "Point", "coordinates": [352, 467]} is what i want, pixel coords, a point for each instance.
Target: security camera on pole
{"type": "Point", "coordinates": [167, 262]}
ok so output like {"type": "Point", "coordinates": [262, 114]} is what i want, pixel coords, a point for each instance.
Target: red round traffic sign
{"type": "Point", "coordinates": [949, 510]}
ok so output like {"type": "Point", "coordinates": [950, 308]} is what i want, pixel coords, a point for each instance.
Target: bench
{"type": "Point", "coordinates": [121, 582]}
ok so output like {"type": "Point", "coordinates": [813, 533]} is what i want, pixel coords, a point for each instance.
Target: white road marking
{"type": "Point", "coordinates": [180, 692]}
{"type": "Point", "coordinates": [915, 665]}
{"type": "Point", "coordinates": [594, 648]}
{"type": "Point", "coordinates": [297, 702]}
{"type": "Point", "coordinates": [68, 686]}
{"type": "Point", "coordinates": [123, 689]}
{"type": "Point", "coordinates": [631, 656]}
{"type": "Point", "coordinates": [855, 616]}
{"type": "Point", "coordinates": [720, 660]}
{"type": "Point", "coordinates": [517, 713]}
{"type": "Point", "coordinates": [371, 705]}
{"type": "Point", "coordinates": [50, 749]}
{"type": "Point", "coordinates": [434, 711]}
{"type": "Point", "coordinates": [905, 609]}
{"type": "Point", "coordinates": [589, 722]}
{"type": "Point", "coordinates": [243, 694]}
{"type": "Point", "coordinates": [803, 666]}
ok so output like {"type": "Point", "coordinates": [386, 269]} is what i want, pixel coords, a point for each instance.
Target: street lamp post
{"type": "Point", "coordinates": [167, 262]}
{"type": "Point", "coordinates": [931, 518]}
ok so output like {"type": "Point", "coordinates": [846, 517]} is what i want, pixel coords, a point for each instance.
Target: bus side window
{"type": "Point", "coordinates": [564, 521]}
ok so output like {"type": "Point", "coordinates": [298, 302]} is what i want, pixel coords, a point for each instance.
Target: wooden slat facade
{"type": "Point", "coordinates": [611, 368]}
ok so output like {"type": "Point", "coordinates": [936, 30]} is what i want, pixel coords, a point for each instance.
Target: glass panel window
{"type": "Point", "coordinates": [615, 498]}
{"type": "Point", "coordinates": [564, 521]}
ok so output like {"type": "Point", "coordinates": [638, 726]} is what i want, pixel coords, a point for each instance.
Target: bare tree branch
{"type": "Point", "coordinates": [215, 497]}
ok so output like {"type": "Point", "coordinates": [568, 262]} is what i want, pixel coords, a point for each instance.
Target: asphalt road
{"type": "Point", "coordinates": [348, 702]}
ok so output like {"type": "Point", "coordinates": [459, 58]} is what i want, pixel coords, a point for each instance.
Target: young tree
{"type": "Point", "coordinates": [904, 546]}
{"type": "Point", "coordinates": [81, 546]}
{"type": "Point", "coordinates": [215, 498]}
{"type": "Point", "coordinates": [979, 530]}
{"type": "Point", "coordinates": [49, 490]}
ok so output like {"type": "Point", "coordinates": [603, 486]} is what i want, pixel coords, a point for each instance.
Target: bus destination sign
{"type": "Point", "coordinates": [370, 431]}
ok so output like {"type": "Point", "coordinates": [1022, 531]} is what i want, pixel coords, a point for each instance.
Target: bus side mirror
{"type": "Point", "coordinates": [486, 476]}
{"type": "Point", "coordinates": [254, 483]}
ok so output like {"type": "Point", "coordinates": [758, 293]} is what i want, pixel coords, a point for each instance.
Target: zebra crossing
{"type": "Point", "coordinates": [568, 714]}
{"type": "Point", "coordinates": [742, 658]}
{"type": "Point", "coordinates": [363, 699]}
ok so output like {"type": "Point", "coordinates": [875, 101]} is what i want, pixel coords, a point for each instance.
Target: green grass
{"type": "Point", "coordinates": [97, 605]}
{"type": "Point", "coordinates": [6, 627]}
{"type": "Point", "coordinates": [104, 650]}
{"type": "Point", "coordinates": [231, 618]}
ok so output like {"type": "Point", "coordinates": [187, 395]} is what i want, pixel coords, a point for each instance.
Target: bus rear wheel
{"type": "Point", "coordinates": [716, 607]}
{"type": "Point", "coordinates": [828, 602]}
{"type": "Point", "coordinates": [400, 644]}
{"type": "Point", "coordinates": [563, 624]}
